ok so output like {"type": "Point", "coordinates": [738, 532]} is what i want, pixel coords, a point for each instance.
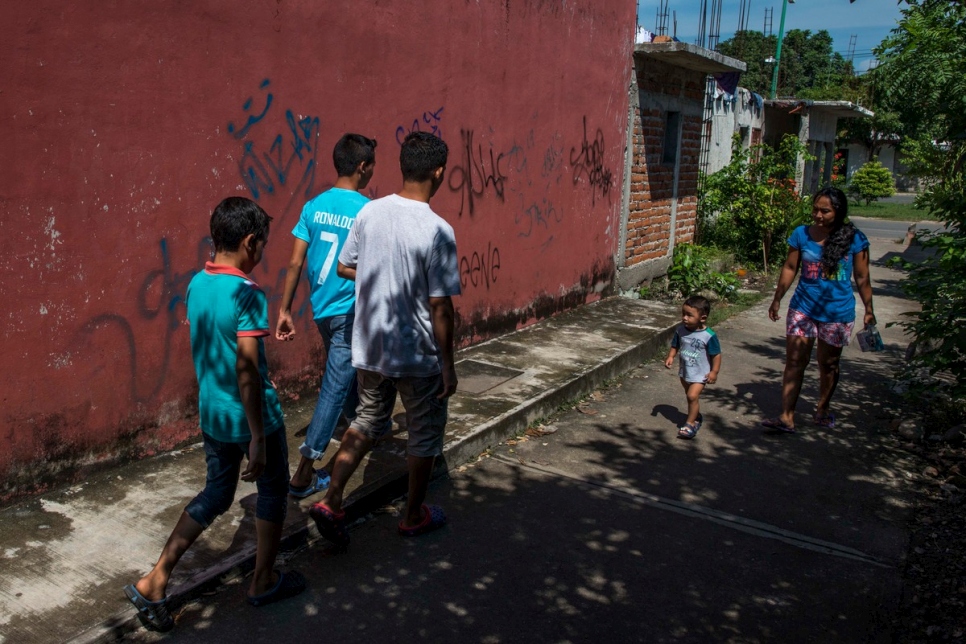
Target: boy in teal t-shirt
{"type": "Point", "coordinates": [239, 412]}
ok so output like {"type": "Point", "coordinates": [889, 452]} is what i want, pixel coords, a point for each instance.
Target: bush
{"type": "Point", "coordinates": [871, 182]}
{"type": "Point", "coordinates": [690, 272]}
{"type": "Point", "coordinates": [749, 206]}
{"type": "Point", "coordinates": [939, 282]}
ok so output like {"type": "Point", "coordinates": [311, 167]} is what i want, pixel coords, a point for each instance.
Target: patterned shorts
{"type": "Point", "coordinates": [836, 334]}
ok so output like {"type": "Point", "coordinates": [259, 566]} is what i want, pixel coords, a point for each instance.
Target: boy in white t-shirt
{"type": "Point", "coordinates": [403, 259]}
{"type": "Point", "coordinates": [700, 358]}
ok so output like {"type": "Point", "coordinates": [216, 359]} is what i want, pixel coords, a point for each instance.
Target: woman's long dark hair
{"type": "Point", "coordinates": [839, 241]}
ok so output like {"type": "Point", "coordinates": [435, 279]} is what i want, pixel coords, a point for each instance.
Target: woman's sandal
{"type": "Point", "coordinates": [824, 420]}
{"type": "Point", "coordinates": [688, 431]}
{"type": "Point", "coordinates": [778, 424]}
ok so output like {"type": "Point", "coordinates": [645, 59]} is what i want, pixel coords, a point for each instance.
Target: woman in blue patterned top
{"type": "Point", "coordinates": [830, 253]}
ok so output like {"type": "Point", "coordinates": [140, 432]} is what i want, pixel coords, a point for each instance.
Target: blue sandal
{"type": "Point", "coordinates": [687, 431]}
{"type": "Point", "coordinates": [778, 425]}
{"type": "Point", "coordinates": [320, 481]}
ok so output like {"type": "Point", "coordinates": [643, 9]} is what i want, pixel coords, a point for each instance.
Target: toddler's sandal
{"type": "Point", "coordinates": [687, 431]}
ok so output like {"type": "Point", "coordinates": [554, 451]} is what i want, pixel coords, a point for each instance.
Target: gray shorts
{"type": "Point", "coordinates": [425, 413]}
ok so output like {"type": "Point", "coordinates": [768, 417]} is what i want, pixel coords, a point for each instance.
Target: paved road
{"type": "Point", "coordinates": [611, 529]}
{"type": "Point", "coordinates": [894, 230]}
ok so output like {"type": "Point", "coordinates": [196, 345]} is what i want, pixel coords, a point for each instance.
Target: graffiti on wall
{"type": "Point", "coordinates": [480, 268]}
{"type": "Point", "coordinates": [477, 172]}
{"type": "Point", "coordinates": [540, 213]}
{"type": "Point", "coordinates": [587, 160]}
{"type": "Point", "coordinates": [429, 121]}
{"type": "Point", "coordinates": [273, 159]}
{"type": "Point", "coordinates": [160, 295]}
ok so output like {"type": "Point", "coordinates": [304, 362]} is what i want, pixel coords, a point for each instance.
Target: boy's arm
{"type": "Point", "coordinates": [441, 309]}
{"type": "Point", "coordinates": [669, 360]}
{"type": "Point", "coordinates": [715, 368]}
{"type": "Point", "coordinates": [346, 272]}
{"type": "Point", "coordinates": [250, 390]}
{"type": "Point", "coordinates": [285, 327]}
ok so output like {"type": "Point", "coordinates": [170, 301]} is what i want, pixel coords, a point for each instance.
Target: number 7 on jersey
{"type": "Point", "coordinates": [333, 240]}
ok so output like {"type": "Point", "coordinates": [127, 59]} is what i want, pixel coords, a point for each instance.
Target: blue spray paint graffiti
{"type": "Point", "coordinates": [291, 153]}
{"type": "Point", "coordinates": [430, 123]}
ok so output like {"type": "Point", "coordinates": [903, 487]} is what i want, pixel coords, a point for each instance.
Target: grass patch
{"type": "Point", "coordinates": [724, 309]}
{"type": "Point", "coordinates": [890, 211]}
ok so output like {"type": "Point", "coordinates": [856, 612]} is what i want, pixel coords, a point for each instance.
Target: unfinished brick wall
{"type": "Point", "coordinates": [663, 88]}
{"type": "Point", "coordinates": [687, 214]}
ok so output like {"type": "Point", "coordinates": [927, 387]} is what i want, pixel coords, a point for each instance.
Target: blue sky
{"type": "Point", "coordinates": [869, 20]}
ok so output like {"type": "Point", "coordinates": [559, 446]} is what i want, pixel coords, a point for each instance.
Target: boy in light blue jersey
{"type": "Point", "coordinates": [320, 234]}
{"type": "Point", "coordinates": [700, 358]}
{"type": "Point", "coordinates": [239, 412]}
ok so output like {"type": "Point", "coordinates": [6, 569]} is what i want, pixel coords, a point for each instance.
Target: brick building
{"type": "Point", "coordinates": [667, 120]}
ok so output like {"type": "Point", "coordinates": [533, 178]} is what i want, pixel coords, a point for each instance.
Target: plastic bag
{"type": "Point", "coordinates": [869, 339]}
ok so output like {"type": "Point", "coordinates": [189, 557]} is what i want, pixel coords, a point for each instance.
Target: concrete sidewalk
{"type": "Point", "coordinates": [65, 556]}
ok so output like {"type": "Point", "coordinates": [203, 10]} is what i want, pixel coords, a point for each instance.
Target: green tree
{"type": "Point", "coordinates": [871, 182]}
{"type": "Point", "coordinates": [922, 77]}
{"type": "Point", "coordinates": [809, 66]}
{"type": "Point", "coordinates": [922, 70]}
{"type": "Point", "coordinates": [748, 207]}
{"type": "Point", "coordinates": [884, 127]}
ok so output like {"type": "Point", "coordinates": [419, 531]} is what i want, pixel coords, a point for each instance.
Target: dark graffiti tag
{"type": "Point", "coordinates": [590, 161]}
{"type": "Point", "coordinates": [473, 175]}
{"type": "Point", "coordinates": [543, 214]}
{"type": "Point", "coordinates": [480, 269]}
{"type": "Point", "coordinates": [428, 122]}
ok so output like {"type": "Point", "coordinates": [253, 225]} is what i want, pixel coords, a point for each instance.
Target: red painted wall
{"type": "Point", "coordinates": [123, 124]}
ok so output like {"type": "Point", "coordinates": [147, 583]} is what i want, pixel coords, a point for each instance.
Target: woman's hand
{"type": "Point", "coordinates": [785, 279]}
{"type": "Point", "coordinates": [773, 310]}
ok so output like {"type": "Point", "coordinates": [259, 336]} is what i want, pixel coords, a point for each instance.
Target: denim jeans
{"type": "Point", "coordinates": [338, 393]}
{"type": "Point", "coordinates": [224, 467]}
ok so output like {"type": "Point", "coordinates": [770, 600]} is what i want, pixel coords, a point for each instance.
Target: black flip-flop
{"type": "Point", "coordinates": [289, 584]}
{"type": "Point", "coordinates": [154, 615]}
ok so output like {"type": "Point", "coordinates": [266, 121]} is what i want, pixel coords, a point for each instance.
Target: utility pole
{"type": "Point", "coordinates": [778, 51]}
